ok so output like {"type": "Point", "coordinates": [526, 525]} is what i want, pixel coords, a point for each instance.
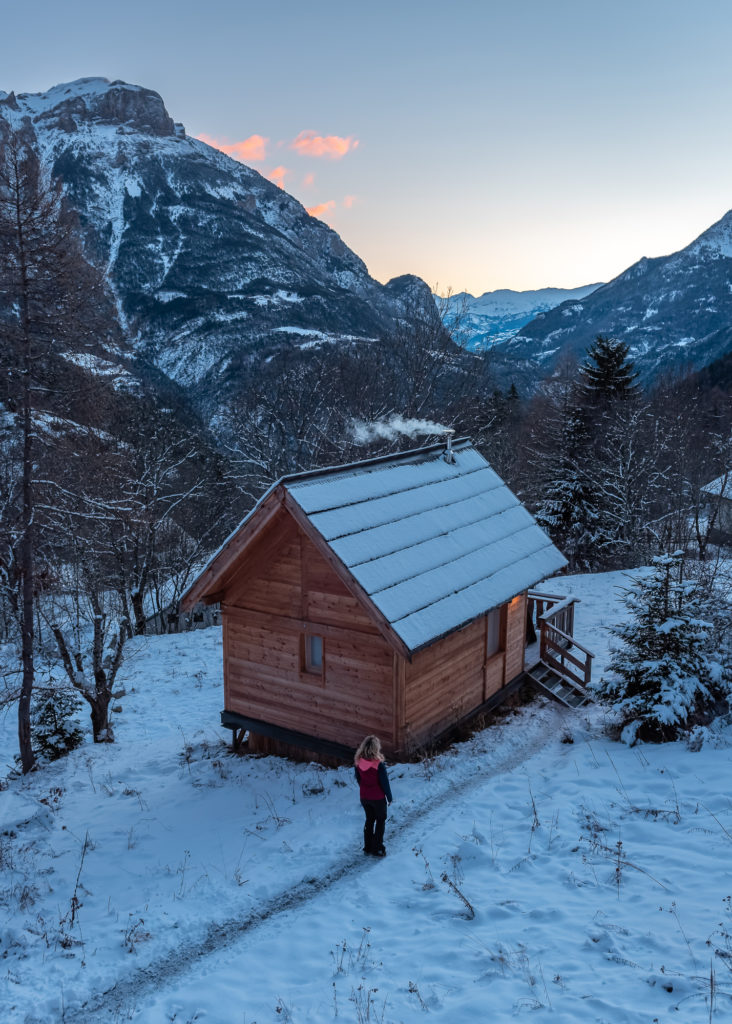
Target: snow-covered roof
{"type": "Point", "coordinates": [433, 544]}
{"type": "Point", "coordinates": [721, 486]}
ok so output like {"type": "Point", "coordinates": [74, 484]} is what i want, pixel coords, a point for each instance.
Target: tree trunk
{"type": "Point", "coordinates": [27, 758]}
{"type": "Point", "coordinates": [100, 717]}
{"type": "Point", "coordinates": [138, 611]}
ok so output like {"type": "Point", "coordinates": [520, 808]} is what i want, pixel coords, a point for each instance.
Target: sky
{"type": "Point", "coordinates": [482, 145]}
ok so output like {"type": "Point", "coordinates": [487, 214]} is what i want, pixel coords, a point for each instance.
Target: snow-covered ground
{"type": "Point", "coordinates": [537, 871]}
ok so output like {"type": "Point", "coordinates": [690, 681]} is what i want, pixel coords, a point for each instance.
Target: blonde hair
{"type": "Point", "coordinates": [370, 750]}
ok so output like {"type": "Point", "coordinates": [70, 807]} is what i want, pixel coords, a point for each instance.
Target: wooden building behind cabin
{"type": "Point", "coordinates": [718, 496]}
{"type": "Point", "coordinates": [387, 596]}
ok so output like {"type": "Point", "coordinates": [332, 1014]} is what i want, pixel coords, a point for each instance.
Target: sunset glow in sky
{"type": "Point", "coordinates": [482, 144]}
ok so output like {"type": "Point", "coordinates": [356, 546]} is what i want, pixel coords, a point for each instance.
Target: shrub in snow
{"type": "Point", "coordinates": [663, 678]}
{"type": "Point", "coordinates": [55, 726]}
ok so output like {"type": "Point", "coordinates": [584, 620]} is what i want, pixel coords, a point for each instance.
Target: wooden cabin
{"type": "Point", "coordinates": [389, 596]}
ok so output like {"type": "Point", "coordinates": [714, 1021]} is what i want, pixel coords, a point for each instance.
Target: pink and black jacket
{"type": "Point", "coordinates": [372, 780]}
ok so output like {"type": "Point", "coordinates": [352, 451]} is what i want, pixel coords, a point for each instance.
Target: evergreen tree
{"type": "Point", "coordinates": [557, 487]}
{"type": "Point", "coordinates": [567, 510]}
{"type": "Point", "coordinates": [607, 372]}
{"type": "Point", "coordinates": [662, 678]}
{"type": "Point", "coordinates": [607, 398]}
{"type": "Point", "coordinates": [55, 722]}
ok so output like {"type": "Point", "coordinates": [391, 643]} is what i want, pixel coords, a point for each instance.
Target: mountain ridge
{"type": "Point", "coordinates": [495, 316]}
{"type": "Point", "coordinates": [674, 312]}
{"type": "Point", "coordinates": [213, 266]}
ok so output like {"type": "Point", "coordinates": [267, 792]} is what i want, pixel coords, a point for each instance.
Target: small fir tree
{"type": "Point", "coordinates": [662, 678]}
{"type": "Point", "coordinates": [55, 724]}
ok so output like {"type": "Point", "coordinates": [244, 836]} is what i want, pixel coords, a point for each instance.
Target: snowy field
{"type": "Point", "coordinates": [537, 871]}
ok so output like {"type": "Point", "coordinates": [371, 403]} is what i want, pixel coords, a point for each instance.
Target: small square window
{"type": "Point", "coordinates": [314, 654]}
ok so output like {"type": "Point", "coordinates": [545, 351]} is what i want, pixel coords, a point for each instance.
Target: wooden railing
{"type": "Point", "coordinates": [553, 617]}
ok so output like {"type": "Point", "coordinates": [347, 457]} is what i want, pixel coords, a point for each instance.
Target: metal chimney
{"type": "Point", "coordinates": [449, 454]}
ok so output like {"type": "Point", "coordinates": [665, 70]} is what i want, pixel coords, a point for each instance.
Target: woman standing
{"type": "Point", "coordinates": [375, 793]}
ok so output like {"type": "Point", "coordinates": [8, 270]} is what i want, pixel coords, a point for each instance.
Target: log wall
{"type": "Point", "coordinates": [515, 637]}
{"type": "Point", "coordinates": [446, 681]}
{"type": "Point", "coordinates": [282, 589]}
{"type": "Point", "coordinates": [267, 612]}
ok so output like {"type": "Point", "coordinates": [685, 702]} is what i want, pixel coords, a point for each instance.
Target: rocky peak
{"type": "Point", "coordinates": [99, 101]}
{"type": "Point", "coordinates": [213, 267]}
{"type": "Point", "coordinates": [718, 237]}
{"type": "Point", "coordinates": [673, 311]}
{"type": "Point", "coordinates": [411, 293]}
{"type": "Point", "coordinates": [140, 108]}
{"type": "Point", "coordinates": [9, 100]}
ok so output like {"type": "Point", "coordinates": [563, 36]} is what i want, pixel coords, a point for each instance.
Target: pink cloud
{"type": "Point", "coordinates": [321, 208]}
{"type": "Point", "coordinates": [308, 143]}
{"type": "Point", "coordinates": [308, 180]}
{"type": "Point", "coordinates": [278, 176]}
{"type": "Point", "coordinates": [348, 201]}
{"type": "Point", "coordinates": [248, 150]}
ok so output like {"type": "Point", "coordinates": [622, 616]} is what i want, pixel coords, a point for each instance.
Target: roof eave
{"type": "Point", "coordinates": [454, 629]}
{"type": "Point", "coordinates": [208, 583]}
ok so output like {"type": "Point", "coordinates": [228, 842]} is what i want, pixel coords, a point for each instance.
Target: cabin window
{"type": "Point", "coordinates": [494, 633]}
{"type": "Point", "coordinates": [314, 649]}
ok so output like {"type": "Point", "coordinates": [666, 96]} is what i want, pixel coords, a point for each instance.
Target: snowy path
{"type": "Point", "coordinates": [123, 998]}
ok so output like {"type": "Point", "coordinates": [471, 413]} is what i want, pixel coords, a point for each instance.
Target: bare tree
{"type": "Point", "coordinates": [90, 631]}
{"type": "Point", "coordinates": [46, 288]}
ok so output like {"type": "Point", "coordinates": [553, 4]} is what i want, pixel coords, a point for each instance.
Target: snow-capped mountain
{"type": "Point", "coordinates": [674, 311]}
{"type": "Point", "coordinates": [212, 265]}
{"type": "Point", "coordinates": [488, 319]}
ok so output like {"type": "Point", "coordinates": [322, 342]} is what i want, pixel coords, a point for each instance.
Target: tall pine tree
{"type": "Point", "coordinates": [607, 373]}
{"type": "Point", "coordinates": [566, 510]}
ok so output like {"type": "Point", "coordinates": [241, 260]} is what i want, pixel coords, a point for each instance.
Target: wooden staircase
{"type": "Point", "coordinates": [564, 665]}
{"type": "Point", "coordinates": [559, 687]}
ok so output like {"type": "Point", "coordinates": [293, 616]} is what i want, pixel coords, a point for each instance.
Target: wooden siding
{"type": "Point", "coordinates": [494, 674]}
{"type": "Point", "coordinates": [264, 680]}
{"type": "Point", "coordinates": [270, 585]}
{"type": "Point", "coordinates": [326, 598]}
{"type": "Point", "coordinates": [270, 606]}
{"type": "Point", "coordinates": [444, 682]}
{"type": "Point", "coordinates": [515, 637]}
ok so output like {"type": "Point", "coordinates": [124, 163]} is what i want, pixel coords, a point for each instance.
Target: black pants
{"type": "Point", "coordinates": [373, 830]}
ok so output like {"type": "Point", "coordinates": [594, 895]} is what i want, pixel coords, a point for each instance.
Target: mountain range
{"type": "Point", "coordinates": [674, 312]}
{"type": "Point", "coordinates": [480, 322]}
{"type": "Point", "coordinates": [214, 269]}
{"type": "Point", "coordinates": [213, 266]}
